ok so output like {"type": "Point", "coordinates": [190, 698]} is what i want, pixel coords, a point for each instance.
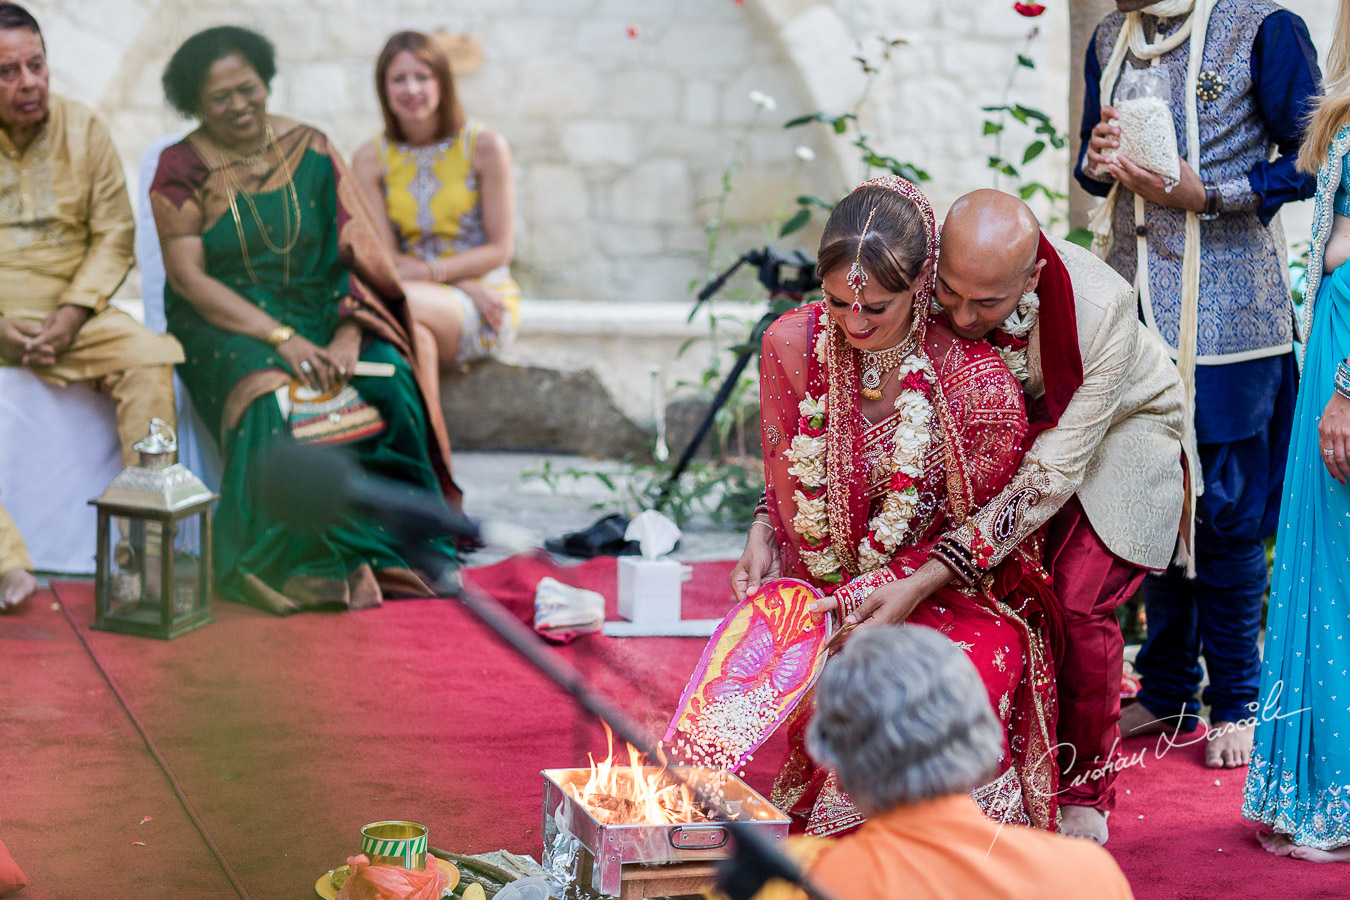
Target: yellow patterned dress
{"type": "Point", "coordinates": [432, 199]}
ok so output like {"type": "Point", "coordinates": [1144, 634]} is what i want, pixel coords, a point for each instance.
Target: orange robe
{"type": "Point", "coordinates": [946, 849]}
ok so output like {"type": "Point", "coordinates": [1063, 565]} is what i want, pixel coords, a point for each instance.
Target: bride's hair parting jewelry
{"type": "Point", "coordinates": [880, 231]}
{"type": "Point", "coordinates": [857, 275]}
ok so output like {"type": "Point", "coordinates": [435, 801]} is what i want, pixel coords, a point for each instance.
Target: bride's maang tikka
{"type": "Point", "coordinates": [857, 275]}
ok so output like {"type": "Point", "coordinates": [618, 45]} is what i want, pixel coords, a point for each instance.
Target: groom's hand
{"type": "Point", "coordinates": [895, 601]}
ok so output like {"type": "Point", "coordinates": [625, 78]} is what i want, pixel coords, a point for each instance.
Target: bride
{"type": "Point", "coordinates": [883, 430]}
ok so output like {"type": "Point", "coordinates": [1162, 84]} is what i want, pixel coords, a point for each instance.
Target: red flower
{"type": "Point", "coordinates": [813, 493]}
{"type": "Point", "coordinates": [1003, 339]}
{"type": "Point", "coordinates": [804, 426]}
{"type": "Point", "coordinates": [900, 481]}
{"type": "Point", "coordinates": [634, 31]}
{"type": "Point", "coordinates": [915, 381]}
{"type": "Point", "coordinates": [876, 544]}
{"type": "Point", "coordinates": [1030, 10]}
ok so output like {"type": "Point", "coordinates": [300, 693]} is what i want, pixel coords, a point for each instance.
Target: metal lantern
{"type": "Point", "coordinates": [141, 590]}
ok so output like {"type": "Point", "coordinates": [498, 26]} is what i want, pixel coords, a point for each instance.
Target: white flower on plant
{"type": "Point", "coordinates": [805, 153]}
{"type": "Point", "coordinates": [763, 100]}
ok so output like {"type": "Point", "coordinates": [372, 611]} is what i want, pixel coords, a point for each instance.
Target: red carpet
{"type": "Point", "coordinates": [289, 734]}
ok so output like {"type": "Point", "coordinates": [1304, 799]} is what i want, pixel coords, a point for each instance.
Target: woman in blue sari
{"type": "Point", "coordinates": [1298, 785]}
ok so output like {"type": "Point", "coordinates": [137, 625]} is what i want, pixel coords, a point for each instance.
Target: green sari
{"type": "Point", "coordinates": [335, 269]}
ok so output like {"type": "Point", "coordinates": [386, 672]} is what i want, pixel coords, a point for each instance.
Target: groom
{"type": "Point", "coordinates": [1103, 466]}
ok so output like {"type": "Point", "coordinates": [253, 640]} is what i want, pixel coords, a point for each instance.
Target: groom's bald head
{"type": "Point", "coordinates": [988, 260]}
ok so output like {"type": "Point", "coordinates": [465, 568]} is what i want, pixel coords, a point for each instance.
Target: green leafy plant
{"type": "Point", "coordinates": [1298, 272]}
{"type": "Point", "coordinates": [1037, 132]}
{"type": "Point", "coordinates": [847, 124]}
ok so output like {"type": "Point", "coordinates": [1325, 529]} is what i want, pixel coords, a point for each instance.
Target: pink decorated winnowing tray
{"type": "Point", "coordinates": [761, 661]}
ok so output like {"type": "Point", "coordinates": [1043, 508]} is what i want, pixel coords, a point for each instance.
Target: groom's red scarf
{"type": "Point", "coordinates": [1061, 363]}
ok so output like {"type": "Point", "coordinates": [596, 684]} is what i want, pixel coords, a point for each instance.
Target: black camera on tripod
{"type": "Point", "coordinates": [791, 275]}
{"type": "Point", "coordinates": [785, 274]}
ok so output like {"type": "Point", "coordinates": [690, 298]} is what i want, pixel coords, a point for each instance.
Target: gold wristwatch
{"type": "Point", "coordinates": [280, 335]}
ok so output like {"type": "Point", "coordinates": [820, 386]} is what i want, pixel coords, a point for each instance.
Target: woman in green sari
{"type": "Point", "coordinates": [278, 287]}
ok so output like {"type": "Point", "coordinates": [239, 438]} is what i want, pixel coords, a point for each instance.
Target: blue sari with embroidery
{"type": "Point", "coordinates": [1299, 779]}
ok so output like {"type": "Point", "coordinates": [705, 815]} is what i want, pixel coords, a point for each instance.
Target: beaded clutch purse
{"type": "Point", "coordinates": [338, 416]}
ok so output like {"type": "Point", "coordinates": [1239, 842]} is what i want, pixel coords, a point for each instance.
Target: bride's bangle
{"type": "Point", "coordinates": [762, 522]}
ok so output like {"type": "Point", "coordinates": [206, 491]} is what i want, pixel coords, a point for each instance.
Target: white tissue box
{"type": "Point", "coordinates": [649, 589]}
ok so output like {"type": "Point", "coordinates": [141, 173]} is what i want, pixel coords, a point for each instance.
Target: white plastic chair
{"type": "Point", "coordinates": [58, 450]}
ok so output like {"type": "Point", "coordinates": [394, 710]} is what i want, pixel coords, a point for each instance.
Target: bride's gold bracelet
{"type": "Point", "coordinates": [279, 335]}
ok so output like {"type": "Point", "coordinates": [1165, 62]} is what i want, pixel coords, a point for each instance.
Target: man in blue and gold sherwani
{"type": "Point", "coordinates": [1209, 260]}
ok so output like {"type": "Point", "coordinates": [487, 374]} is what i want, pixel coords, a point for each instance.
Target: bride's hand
{"type": "Point", "coordinates": [1333, 434]}
{"type": "Point", "coordinates": [761, 561]}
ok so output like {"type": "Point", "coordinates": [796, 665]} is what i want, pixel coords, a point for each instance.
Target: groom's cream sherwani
{"type": "Point", "coordinates": [1118, 443]}
{"type": "Point", "coordinates": [1117, 450]}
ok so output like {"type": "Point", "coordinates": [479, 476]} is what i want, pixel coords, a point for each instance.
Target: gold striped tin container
{"type": "Point", "coordinates": [402, 844]}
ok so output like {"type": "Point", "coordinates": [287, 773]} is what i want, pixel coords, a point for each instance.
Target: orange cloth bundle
{"type": "Point", "coordinates": [12, 879]}
{"type": "Point", "coordinates": [367, 882]}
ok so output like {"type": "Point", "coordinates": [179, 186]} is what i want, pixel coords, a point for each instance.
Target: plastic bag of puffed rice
{"type": "Point", "coordinates": [1147, 134]}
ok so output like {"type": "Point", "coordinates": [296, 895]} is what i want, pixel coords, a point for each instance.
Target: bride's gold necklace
{"type": "Point", "coordinates": [876, 365]}
{"type": "Point", "coordinates": [234, 189]}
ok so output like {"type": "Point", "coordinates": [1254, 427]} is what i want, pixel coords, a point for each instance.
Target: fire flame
{"type": "Point", "coordinates": [634, 794]}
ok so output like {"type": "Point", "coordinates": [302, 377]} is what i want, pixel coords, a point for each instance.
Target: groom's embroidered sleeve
{"type": "Point", "coordinates": [1056, 464]}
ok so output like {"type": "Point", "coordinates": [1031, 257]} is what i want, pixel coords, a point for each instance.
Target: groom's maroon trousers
{"type": "Point", "coordinates": [1091, 582]}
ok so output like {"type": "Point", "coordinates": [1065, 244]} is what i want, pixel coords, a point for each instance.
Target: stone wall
{"type": "Point", "coordinates": [623, 114]}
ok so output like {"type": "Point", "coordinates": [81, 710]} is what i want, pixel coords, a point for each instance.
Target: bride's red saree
{"type": "Point", "coordinates": [975, 448]}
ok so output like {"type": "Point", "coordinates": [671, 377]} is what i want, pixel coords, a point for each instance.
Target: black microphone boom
{"type": "Point", "coordinates": [317, 487]}
{"type": "Point", "coordinates": [313, 487]}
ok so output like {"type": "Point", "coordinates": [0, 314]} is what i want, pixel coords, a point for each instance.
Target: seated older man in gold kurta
{"type": "Point", "coordinates": [65, 245]}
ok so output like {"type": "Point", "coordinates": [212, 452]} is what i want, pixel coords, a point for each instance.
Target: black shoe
{"type": "Point", "coordinates": [603, 538]}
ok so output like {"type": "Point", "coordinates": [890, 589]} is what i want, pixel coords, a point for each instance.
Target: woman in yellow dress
{"type": "Point", "coordinates": [443, 183]}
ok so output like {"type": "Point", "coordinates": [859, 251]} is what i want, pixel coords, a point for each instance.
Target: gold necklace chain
{"type": "Point", "coordinates": [234, 189]}
{"type": "Point", "coordinates": [875, 365]}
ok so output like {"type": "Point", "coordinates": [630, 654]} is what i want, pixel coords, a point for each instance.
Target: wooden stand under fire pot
{"type": "Point", "coordinates": [688, 879]}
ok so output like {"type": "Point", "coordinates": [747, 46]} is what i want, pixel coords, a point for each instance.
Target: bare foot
{"type": "Point", "coordinates": [1340, 854]}
{"type": "Point", "coordinates": [15, 587]}
{"type": "Point", "coordinates": [1283, 845]}
{"type": "Point", "coordinates": [1274, 842]}
{"type": "Point", "coordinates": [1083, 822]}
{"type": "Point", "coordinates": [1228, 745]}
{"type": "Point", "coordinates": [1136, 720]}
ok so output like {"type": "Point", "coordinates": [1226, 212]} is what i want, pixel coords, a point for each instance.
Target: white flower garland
{"type": "Point", "coordinates": [1018, 327]}
{"type": "Point", "coordinates": [890, 526]}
